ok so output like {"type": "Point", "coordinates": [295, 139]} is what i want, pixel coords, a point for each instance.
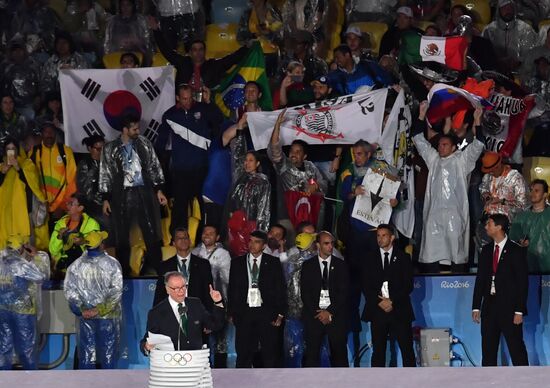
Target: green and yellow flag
{"type": "Point", "coordinates": [229, 95]}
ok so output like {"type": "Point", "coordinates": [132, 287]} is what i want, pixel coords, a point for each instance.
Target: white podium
{"type": "Point", "coordinates": [180, 368]}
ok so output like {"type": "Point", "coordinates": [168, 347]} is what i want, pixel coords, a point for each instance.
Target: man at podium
{"type": "Point", "coordinates": [182, 318]}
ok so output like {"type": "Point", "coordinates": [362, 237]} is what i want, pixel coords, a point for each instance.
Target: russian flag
{"type": "Point", "coordinates": [445, 100]}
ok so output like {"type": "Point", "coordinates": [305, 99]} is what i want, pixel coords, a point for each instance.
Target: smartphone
{"type": "Point", "coordinates": [297, 78]}
{"type": "Point", "coordinates": [11, 156]}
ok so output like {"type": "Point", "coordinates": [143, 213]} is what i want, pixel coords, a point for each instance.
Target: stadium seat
{"type": "Point", "coordinates": [375, 31]}
{"type": "Point", "coordinates": [221, 39]}
{"type": "Point", "coordinates": [112, 60]}
{"type": "Point", "coordinates": [423, 24]}
{"type": "Point", "coordinates": [228, 11]}
{"type": "Point", "coordinates": [159, 60]}
{"type": "Point", "coordinates": [536, 167]}
{"type": "Point", "coordinates": [479, 8]}
{"type": "Point", "coordinates": [58, 6]}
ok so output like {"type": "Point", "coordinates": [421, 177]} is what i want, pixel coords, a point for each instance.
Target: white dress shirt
{"type": "Point", "coordinates": [382, 252]}
{"type": "Point", "coordinates": [249, 267]}
{"type": "Point", "coordinates": [174, 306]}
{"type": "Point", "coordinates": [328, 259]}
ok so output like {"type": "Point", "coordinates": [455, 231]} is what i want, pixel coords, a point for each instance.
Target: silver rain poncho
{"type": "Point", "coordinates": [511, 40]}
{"type": "Point", "coordinates": [21, 80]}
{"type": "Point", "coordinates": [291, 177]}
{"type": "Point", "coordinates": [94, 281]}
{"type": "Point", "coordinates": [251, 191]}
{"type": "Point", "coordinates": [20, 305]}
{"type": "Point", "coordinates": [220, 262]}
{"type": "Point", "coordinates": [307, 15]}
{"type": "Point", "coordinates": [127, 34]}
{"type": "Point", "coordinates": [446, 216]}
{"type": "Point", "coordinates": [20, 281]}
{"type": "Point", "coordinates": [50, 70]}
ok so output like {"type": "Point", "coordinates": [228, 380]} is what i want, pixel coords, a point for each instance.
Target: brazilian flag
{"type": "Point", "coordinates": [229, 95]}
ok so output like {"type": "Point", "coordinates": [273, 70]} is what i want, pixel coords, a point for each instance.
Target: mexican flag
{"type": "Point", "coordinates": [450, 51]}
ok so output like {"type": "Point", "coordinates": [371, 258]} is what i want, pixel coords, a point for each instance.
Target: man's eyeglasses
{"type": "Point", "coordinates": [177, 289]}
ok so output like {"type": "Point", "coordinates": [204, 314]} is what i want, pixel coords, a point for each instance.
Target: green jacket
{"type": "Point", "coordinates": [87, 225]}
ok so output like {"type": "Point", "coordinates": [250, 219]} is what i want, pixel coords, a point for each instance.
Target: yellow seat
{"type": "Point", "coordinates": [375, 31]}
{"type": "Point", "coordinates": [536, 167]}
{"type": "Point", "coordinates": [112, 60]}
{"type": "Point", "coordinates": [159, 60]}
{"type": "Point", "coordinates": [479, 8]}
{"type": "Point", "coordinates": [423, 24]}
{"type": "Point", "coordinates": [58, 6]}
{"type": "Point", "coordinates": [221, 40]}
{"type": "Point", "coordinates": [544, 22]}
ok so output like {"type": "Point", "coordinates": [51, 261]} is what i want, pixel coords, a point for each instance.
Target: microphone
{"type": "Point", "coordinates": [182, 310]}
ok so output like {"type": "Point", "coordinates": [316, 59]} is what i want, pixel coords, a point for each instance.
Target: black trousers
{"type": "Point", "coordinates": [387, 324]}
{"type": "Point", "coordinates": [493, 324]}
{"type": "Point", "coordinates": [136, 212]}
{"type": "Point", "coordinates": [186, 185]}
{"type": "Point", "coordinates": [314, 332]}
{"type": "Point", "coordinates": [254, 329]}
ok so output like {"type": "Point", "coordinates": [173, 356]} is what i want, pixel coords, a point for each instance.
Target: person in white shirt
{"type": "Point", "coordinates": [220, 261]}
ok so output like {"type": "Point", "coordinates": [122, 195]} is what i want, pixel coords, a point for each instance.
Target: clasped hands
{"type": "Point", "coordinates": [385, 304]}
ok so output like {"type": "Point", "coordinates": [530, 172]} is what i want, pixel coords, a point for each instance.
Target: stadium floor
{"type": "Point", "coordinates": [516, 377]}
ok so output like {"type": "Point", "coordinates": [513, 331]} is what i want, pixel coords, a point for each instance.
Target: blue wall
{"type": "Point", "coordinates": [438, 302]}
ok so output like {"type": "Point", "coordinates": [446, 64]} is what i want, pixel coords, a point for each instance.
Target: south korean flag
{"type": "Point", "coordinates": [94, 101]}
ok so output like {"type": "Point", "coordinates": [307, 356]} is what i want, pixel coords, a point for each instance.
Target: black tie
{"type": "Point", "coordinates": [386, 260]}
{"type": "Point", "coordinates": [325, 275]}
{"type": "Point", "coordinates": [184, 269]}
{"type": "Point", "coordinates": [182, 311]}
{"type": "Point", "coordinates": [255, 273]}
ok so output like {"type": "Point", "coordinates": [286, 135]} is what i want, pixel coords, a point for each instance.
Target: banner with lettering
{"type": "Point", "coordinates": [374, 207]}
{"type": "Point", "coordinates": [340, 120]}
{"type": "Point", "coordinates": [513, 113]}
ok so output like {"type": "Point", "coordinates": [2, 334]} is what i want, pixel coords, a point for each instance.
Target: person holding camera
{"type": "Point", "coordinates": [19, 183]}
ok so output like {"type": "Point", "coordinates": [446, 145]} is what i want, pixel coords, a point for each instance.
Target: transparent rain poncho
{"type": "Point", "coordinates": [20, 281]}
{"type": "Point", "coordinates": [307, 15]}
{"type": "Point", "coordinates": [446, 215]}
{"type": "Point", "coordinates": [534, 227]}
{"type": "Point", "coordinates": [20, 303]}
{"type": "Point", "coordinates": [94, 281]}
{"type": "Point", "coordinates": [251, 191]}
{"type": "Point", "coordinates": [511, 39]}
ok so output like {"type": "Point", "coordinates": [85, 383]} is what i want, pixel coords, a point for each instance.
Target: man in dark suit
{"type": "Point", "coordinates": [257, 303]}
{"type": "Point", "coordinates": [197, 271]}
{"type": "Point", "coordinates": [500, 294]}
{"type": "Point", "coordinates": [182, 318]}
{"type": "Point", "coordinates": [324, 286]}
{"type": "Point", "coordinates": [387, 285]}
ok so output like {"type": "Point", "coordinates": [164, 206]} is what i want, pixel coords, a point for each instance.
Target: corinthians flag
{"type": "Point", "coordinates": [94, 101]}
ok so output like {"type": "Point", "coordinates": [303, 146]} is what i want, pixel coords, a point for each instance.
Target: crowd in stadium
{"type": "Point", "coordinates": [199, 203]}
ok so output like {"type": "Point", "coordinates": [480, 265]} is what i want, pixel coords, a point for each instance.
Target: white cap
{"type": "Point", "coordinates": [407, 11]}
{"type": "Point", "coordinates": [354, 30]}
{"type": "Point", "coordinates": [502, 3]}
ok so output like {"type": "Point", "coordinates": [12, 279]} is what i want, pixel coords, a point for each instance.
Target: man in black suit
{"type": "Point", "coordinates": [387, 285]}
{"type": "Point", "coordinates": [182, 318]}
{"type": "Point", "coordinates": [324, 286]}
{"type": "Point", "coordinates": [257, 303]}
{"type": "Point", "coordinates": [500, 294]}
{"type": "Point", "coordinates": [197, 271]}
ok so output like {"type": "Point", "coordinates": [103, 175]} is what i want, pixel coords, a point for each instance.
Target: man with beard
{"type": "Point", "coordinates": [297, 176]}
{"type": "Point", "coordinates": [512, 38]}
{"type": "Point", "coordinates": [131, 179]}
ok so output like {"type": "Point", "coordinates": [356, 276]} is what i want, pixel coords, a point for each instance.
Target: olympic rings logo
{"type": "Point", "coordinates": [178, 358]}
